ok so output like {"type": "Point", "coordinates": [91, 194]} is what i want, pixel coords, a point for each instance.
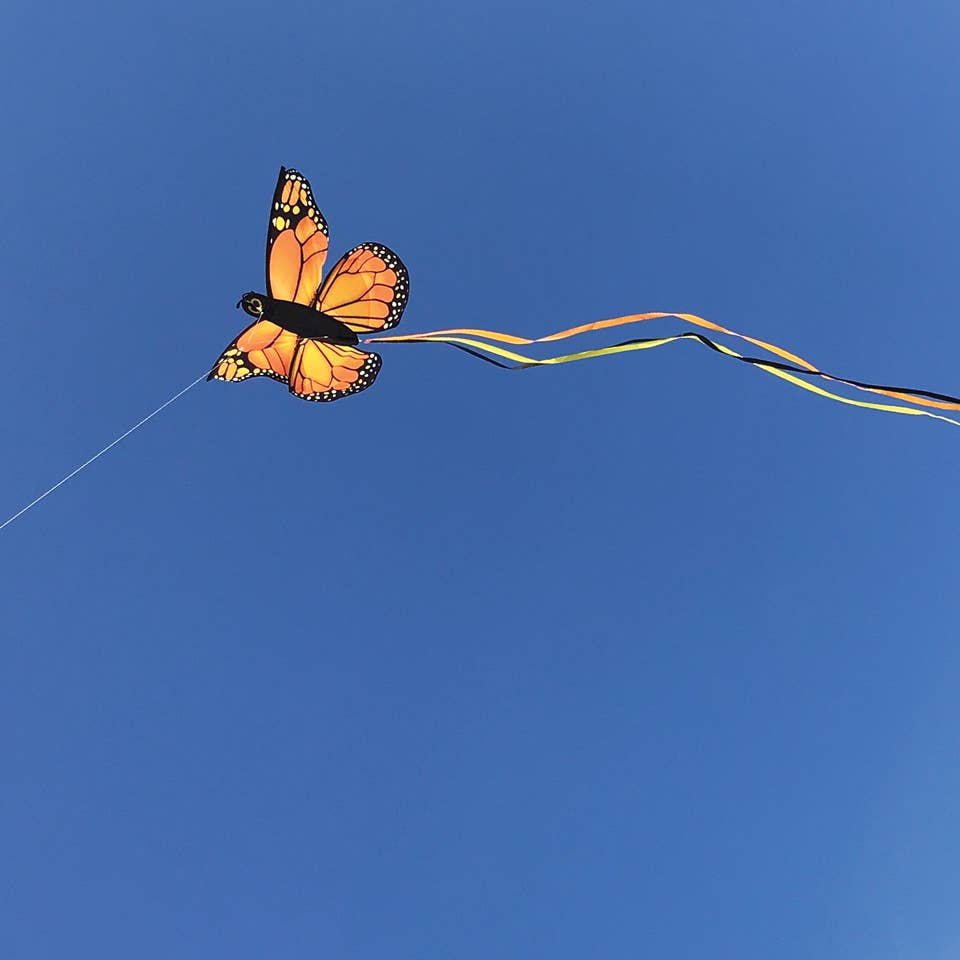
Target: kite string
{"type": "Point", "coordinates": [96, 456]}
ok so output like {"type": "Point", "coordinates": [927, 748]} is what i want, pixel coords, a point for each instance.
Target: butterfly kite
{"type": "Point", "coordinates": [306, 329]}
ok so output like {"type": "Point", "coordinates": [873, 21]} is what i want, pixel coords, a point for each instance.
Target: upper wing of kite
{"type": "Point", "coordinates": [297, 240]}
{"type": "Point", "coordinates": [367, 289]}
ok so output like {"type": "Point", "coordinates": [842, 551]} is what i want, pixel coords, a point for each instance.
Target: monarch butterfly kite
{"type": "Point", "coordinates": [306, 328]}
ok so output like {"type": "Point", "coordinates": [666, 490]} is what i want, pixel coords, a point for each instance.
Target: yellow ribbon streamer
{"type": "Point", "coordinates": [597, 325]}
{"type": "Point", "coordinates": [453, 336]}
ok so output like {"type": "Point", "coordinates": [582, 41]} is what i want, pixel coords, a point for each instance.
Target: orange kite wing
{"type": "Point", "coordinates": [325, 371]}
{"type": "Point", "coordinates": [262, 350]}
{"type": "Point", "coordinates": [297, 240]}
{"type": "Point", "coordinates": [367, 289]}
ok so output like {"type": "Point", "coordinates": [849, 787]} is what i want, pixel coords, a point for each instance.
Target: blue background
{"type": "Point", "coordinates": [651, 656]}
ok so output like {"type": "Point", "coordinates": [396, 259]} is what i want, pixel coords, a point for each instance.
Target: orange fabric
{"type": "Point", "coordinates": [285, 263]}
{"type": "Point", "coordinates": [297, 241]}
{"type": "Point", "coordinates": [367, 289]}
{"type": "Point", "coordinates": [262, 350]}
{"type": "Point", "coordinates": [327, 371]}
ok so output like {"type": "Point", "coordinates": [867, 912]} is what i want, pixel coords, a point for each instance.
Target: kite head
{"type": "Point", "coordinates": [252, 303]}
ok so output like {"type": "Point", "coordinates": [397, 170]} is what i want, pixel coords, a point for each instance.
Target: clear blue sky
{"type": "Point", "coordinates": [648, 657]}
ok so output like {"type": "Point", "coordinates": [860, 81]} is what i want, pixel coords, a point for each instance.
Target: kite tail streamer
{"type": "Point", "coordinates": [790, 371]}
{"type": "Point", "coordinates": [96, 456]}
